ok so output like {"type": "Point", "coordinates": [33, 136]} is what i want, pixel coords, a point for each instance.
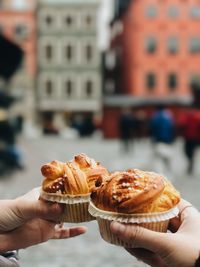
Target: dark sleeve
{"type": "Point", "coordinates": [197, 263]}
{"type": "Point", "coordinates": [9, 259]}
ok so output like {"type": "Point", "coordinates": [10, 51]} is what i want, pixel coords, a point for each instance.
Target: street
{"type": "Point", "coordinates": [90, 250]}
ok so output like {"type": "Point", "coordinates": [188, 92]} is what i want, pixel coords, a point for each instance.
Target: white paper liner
{"type": "Point", "coordinates": [76, 208]}
{"type": "Point", "coordinates": [54, 197]}
{"type": "Point", "coordinates": [108, 236]}
{"type": "Point", "coordinates": [76, 213]}
{"type": "Point", "coordinates": [133, 218]}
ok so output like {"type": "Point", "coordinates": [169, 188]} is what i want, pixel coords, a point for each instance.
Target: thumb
{"type": "Point", "coordinates": [43, 210]}
{"type": "Point", "coordinates": [141, 237]}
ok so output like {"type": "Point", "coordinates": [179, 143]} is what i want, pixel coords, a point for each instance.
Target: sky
{"type": "Point", "coordinates": [105, 13]}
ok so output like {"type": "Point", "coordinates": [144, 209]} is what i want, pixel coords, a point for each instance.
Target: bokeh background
{"type": "Point", "coordinates": [118, 80]}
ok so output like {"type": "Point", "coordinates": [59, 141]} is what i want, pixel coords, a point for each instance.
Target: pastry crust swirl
{"type": "Point", "coordinates": [135, 191]}
{"type": "Point", "coordinates": [76, 177]}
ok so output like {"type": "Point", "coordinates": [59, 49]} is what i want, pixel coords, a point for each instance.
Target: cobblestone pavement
{"type": "Point", "coordinates": [90, 250]}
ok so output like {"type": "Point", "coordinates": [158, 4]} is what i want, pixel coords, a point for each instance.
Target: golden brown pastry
{"type": "Point", "coordinates": [134, 191]}
{"type": "Point", "coordinates": [76, 177]}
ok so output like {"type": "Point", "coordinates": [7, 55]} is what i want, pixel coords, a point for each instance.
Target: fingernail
{"type": "Point", "coordinates": [117, 227]}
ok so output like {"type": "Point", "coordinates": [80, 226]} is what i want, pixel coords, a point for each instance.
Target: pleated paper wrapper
{"type": "Point", "coordinates": [76, 207]}
{"type": "Point", "coordinates": [154, 221]}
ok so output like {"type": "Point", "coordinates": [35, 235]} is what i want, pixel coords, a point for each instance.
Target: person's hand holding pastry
{"type": "Point", "coordinates": [71, 183]}
{"type": "Point", "coordinates": [28, 220]}
{"type": "Point", "coordinates": [134, 197]}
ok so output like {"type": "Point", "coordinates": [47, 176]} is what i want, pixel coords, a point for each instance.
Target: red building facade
{"type": "Point", "coordinates": [18, 23]}
{"type": "Point", "coordinates": [155, 46]}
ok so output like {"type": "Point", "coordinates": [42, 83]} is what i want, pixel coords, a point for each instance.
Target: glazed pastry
{"type": "Point", "coordinates": [76, 177]}
{"type": "Point", "coordinates": [133, 196]}
{"type": "Point", "coordinates": [71, 183]}
{"type": "Point", "coordinates": [135, 191]}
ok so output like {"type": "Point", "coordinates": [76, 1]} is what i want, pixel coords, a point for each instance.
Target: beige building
{"type": "Point", "coordinates": [69, 80]}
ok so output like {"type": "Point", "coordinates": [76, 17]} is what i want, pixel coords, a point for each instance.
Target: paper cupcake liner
{"type": "Point", "coordinates": [68, 199]}
{"type": "Point", "coordinates": [76, 207]}
{"type": "Point", "coordinates": [133, 218]}
{"type": "Point", "coordinates": [153, 221]}
{"type": "Point", "coordinates": [76, 213]}
{"type": "Point", "coordinates": [108, 236]}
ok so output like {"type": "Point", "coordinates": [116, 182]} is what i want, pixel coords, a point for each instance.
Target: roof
{"type": "Point", "coordinates": [65, 2]}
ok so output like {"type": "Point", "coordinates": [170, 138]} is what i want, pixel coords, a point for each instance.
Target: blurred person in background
{"type": "Point", "coordinates": [48, 124]}
{"type": "Point", "coordinates": [162, 131]}
{"type": "Point", "coordinates": [27, 221]}
{"type": "Point", "coordinates": [189, 127]}
{"type": "Point", "coordinates": [126, 129]}
{"type": "Point", "coordinates": [10, 154]}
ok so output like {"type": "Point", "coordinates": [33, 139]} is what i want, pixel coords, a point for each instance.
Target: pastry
{"type": "Point", "coordinates": [71, 183]}
{"type": "Point", "coordinates": [133, 196]}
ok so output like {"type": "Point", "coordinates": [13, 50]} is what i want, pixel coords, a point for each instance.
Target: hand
{"type": "Point", "coordinates": [27, 221]}
{"type": "Point", "coordinates": [34, 232]}
{"type": "Point", "coordinates": [16, 212]}
{"type": "Point", "coordinates": [180, 247]}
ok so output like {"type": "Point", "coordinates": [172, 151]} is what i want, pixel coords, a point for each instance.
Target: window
{"type": "Point", "coordinates": [150, 81]}
{"type": "Point", "coordinates": [150, 44]}
{"type": "Point", "coordinates": [49, 88]}
{"type": "Point", "coordinates": [49, 20]}
{"type": "Point", "coordinates": [69, 19]}
{"type": "Point", "coordinates": [194, 45]}
{"type": "Point", "coordinates": [89, 52]}
{"type": "Point", "coordinates": [195, 12]}
{"type": "Point", "coordinates": [21, 31]}
{"type": "Point", "coordinates": [69, 52]}
{"type": "Point", "coordinates": [89, 88]}
{"type": "Point", "coordinates": [173, 12]}
{"type": "Point", "coordinates": [172, 44]}
{"type": "Point", "coordinates": [49, 52]}
{"type": "Point", "coordinates": [88, 20]}
{"type": "Point", "coordinates": [172, 81]}
{"type": "Point", "coordinates": [68, 88]}
{"type": "Point", "coordinates": [151, 12]}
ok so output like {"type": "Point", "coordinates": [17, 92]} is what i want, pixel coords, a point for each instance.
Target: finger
{"type": "Point", "coordinates": [184, 211]}
{"type": "Point", "coordinates": [147, 257]}
{"type": "Point", "coordinates": [188, 213]}
{"type": "Point", "coordinates": [49, 210]}
{"type": "Point", "coordinates": [30, 206]}
{"type": "Point", "coordinates": [63, 233]}
{"type": "Point", "coordinates": [141, 237]}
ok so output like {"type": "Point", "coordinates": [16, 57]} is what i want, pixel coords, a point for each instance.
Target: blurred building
{"type": "Point", "coordinates": [18, 24]}
{"type": "Point", "coordinates": [154, 56]}
{"type": "Point", "coordinates": [69, 80]}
